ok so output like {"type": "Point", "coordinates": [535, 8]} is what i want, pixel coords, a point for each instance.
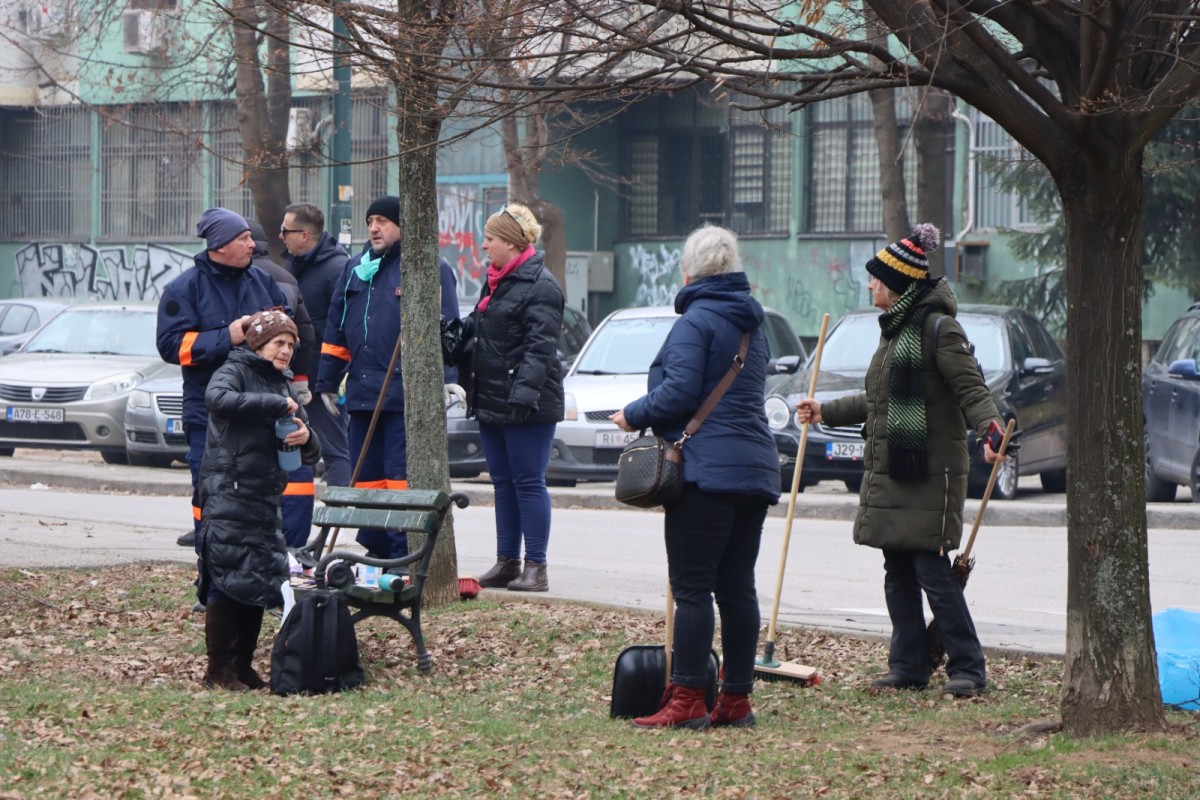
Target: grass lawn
{"type": "Point", "coordinates": [100, 697]}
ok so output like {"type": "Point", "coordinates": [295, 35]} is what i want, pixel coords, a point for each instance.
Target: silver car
{"type": "Point", "coordinates": [611, 371]}
{"type": "Point", "coordinates": [68, 387]}
{"type": "Point", "coordinates": [154, 421]}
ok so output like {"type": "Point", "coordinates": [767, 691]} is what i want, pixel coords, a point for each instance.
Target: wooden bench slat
{"type": "Point", "coordinates": [388, 519]}
{"type": "Point", "coordinates": [422, 499]}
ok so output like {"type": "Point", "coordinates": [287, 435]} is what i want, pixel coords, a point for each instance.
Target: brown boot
{"type": "Point", "coordinates": [249, 626]}
{"type": "Point", "coordinates": [684, 708]}
{"type": "Point", "coordinates": [733, 710]}
{"type": "Point", "coordinates": [533, 579]}
{"type": "Point", "coordinates": [221, 636]}
{"type": "Point", "coordinates": [499, 576]}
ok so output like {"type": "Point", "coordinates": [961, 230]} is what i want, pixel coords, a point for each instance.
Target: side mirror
{"type": "Point", "coordinates": [1037, 366]}
{"type": "Point", "coordinates": [1184, 368]}
{"type": "Point", "coordinates": [784, 365]}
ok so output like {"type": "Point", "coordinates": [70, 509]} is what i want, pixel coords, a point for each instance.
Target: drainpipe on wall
{"type": "Point", "coordinates": [969, 214]}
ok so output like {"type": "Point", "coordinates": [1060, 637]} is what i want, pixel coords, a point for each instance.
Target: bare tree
{"type": "Point", "coordinates": [1083, 85]}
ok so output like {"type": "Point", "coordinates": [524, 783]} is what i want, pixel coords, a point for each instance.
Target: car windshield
{"type": "Point", "coordinates": [624, 346]}
{"type": "Point", "coordinates": [123, 332]}
{"type": "Point", "coordinates": [987, 334]}
{"type": "Point", "coordinates": [852, 343]}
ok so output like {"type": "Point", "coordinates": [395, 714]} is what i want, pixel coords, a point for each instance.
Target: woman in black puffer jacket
{"type": "Point", "coordinates": [243, 558]}
{"type": "Point", "coordinates": [514, 388]}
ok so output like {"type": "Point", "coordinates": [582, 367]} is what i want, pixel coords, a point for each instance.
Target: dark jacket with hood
{"type": "Point", "coordinates": [733, 451]}
{"type": "Point", "coordinates": [361, 333]}
{"type": "Point", "coordinates": [512, 349]}
{"type": "Point", "coordinates": [304, 359]}
{"type": "Point", "coordinates": [193, 321]}
{"type": "Point", "coordinates": [919, 514]}
{"type": "Point", "coordinates": [242, 547]}
{"type": "Point", "coordinates": [317, 273]}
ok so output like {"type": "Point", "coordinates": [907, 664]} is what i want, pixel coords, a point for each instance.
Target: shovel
{"type": "Point", "coordinates": [643, 671]}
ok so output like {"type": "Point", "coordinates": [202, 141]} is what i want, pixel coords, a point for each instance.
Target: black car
{"type": "Point", "coordinates": [1023, 367]}
{"type": "Point", "coordinates": [462, 434]}
{"type": "Point", "coordinates": [1171, 411]}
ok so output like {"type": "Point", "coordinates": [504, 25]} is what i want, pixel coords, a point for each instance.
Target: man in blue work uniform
{"type": "Point", "coordinates": [360, 336]}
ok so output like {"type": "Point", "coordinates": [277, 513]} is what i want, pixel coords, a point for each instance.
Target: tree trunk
{"type": "Point", "coordinates": [891, 165]}
{"type": "Point", "coordinates": [1111, 681]}
{"type": "Point", "coordinates": [933, 132]}
{"type": "Point", "coordinates": [417, 128]}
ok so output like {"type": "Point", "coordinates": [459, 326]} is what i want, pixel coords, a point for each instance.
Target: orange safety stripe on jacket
{"type": "Point", "coordinates": [185, 348]}
{"type": "Point", "coordinates": [335, 351]}
{"type": "Point", "coordinates": [300, 489]}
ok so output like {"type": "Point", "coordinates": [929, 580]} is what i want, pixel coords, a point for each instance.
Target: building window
{"type": "Point", "coordinates": [151, 181]}
{"type": "Point", "coordinates": [998, 164]}
{"type": "Point", "coordinates": [692, 159]}
{"type": "Point", "coordinates": [45, 172]}
{"type": "Point", "coordinates": [845, 195]}
{"type": "Point", "coordinates": [371, 126]}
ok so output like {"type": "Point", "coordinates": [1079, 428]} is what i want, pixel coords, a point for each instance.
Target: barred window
{"type": "Point", "coordinates": [997, 154]}
{"type": "Point", "coordinates": [845, 193]}
{"type": "Point", "coordinates": [46, 172]}
{"type": "Point", "coordinates": [152, 181]}
{"type": "Point", "coordinates": [371, 125]}
{"type": "Point", "coordinates": [692, 159]}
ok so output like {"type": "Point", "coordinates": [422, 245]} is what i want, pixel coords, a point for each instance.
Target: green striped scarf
{"type": "Point", "coordinates": [908, 459]}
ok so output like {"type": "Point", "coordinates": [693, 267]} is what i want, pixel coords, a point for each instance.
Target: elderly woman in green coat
{"type": "Point", "coordinates": [918, 393]}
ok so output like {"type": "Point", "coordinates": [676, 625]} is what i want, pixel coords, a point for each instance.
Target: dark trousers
{"type": "Point", "coordinates": [385, 466]}
{"type": "Point", "coordinates": [906, 574]}
{"type": "Point", "coordinates": [296, 506]}
{"type": "Point", "coordinates": [516, 457]}
{"type": "Point", "coordinates": [335, 448]}
{"type": "Point", "coordinates": [712, 546]}
{"type": "Point", "coordinates": [196, 435]}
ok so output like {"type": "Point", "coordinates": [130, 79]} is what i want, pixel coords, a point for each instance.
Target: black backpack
{"type": "Point", "coordinates": [316, 650]}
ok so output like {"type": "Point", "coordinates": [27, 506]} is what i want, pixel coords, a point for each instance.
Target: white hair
{"type": "Point", "coordinates": [711, 250]}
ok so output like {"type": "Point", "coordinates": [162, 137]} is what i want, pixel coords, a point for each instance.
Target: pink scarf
{"type": "Point", "coordinates": [496, 274]}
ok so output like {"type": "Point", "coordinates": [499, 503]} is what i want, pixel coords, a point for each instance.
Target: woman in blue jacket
{"type": "Point", "coordinates": [730, 477]}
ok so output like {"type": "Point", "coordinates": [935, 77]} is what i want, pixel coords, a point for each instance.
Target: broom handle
{"type": "Point", "coordinates": [670, 630]}
{"type": "Point", "coordinates": [791, 512]}
{"type": "Point", "coordinates": [987, 494]}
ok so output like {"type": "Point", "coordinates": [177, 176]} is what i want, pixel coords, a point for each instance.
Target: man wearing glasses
{"type": "Point", "coordinates": [316, 260]}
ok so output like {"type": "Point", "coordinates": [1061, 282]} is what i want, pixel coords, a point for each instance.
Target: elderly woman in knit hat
{"type": "Point", "coordinates": [242, 554]}
{"type": "Point", "coordinates": [921, 384]}
{"type": "Point", "coordinates": [514, 388]}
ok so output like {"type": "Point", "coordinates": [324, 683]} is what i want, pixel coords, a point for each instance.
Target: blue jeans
{"type": "Point", "coordinates": [516, 457]}
{"type": "Point", "coordinates": [712, 547]}
{"type": "Point", "coordinates": [906, 574]}
{"type": "Point", "coordinates": [384, 467]}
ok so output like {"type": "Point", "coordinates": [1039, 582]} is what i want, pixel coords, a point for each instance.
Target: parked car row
{"type": "Point", "coordinates": [1171, 411]}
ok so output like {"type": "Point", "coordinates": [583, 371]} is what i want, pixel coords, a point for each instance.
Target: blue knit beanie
{"type": "Point", "coordinates": [220, 226]}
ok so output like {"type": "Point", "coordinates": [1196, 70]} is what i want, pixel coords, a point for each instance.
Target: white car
{"type": "Point", "coordinates": [611, 371]}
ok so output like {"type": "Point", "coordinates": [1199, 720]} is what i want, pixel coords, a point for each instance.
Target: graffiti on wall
{"type": "Point", "coordinates": [140, 272]}
{"type": "Point", "coordinates": [460, 230]}
{"type": "Point", "coordinates": [657, 273]}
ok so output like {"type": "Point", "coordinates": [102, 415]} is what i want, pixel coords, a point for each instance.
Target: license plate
{"type": "Point", "coordinates": [852, 451]}
{"type": "Point", "coordinates": [20, 414]}
{"type": "Point", "coordinates": [614, 438]}
{"type": "Point", "coordinates": [174, 426]}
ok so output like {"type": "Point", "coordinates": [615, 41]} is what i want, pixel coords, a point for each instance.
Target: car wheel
{"type": "Point", "coordinates": [1158, 490]}
{"type": "Point", "coordinates": [114, 456]}
{"type": "Point", "coordinates": [1006, 478]}
{"type": "Point", "coordinates": [567, 483]}
{"type": "Point", "coordinates": [853, 485]}
{"type": "Point", "coordinates": [1054, 481]}
{"type": "Point", "coordinates": [6, 451]}
{"type": "Point", "coordinates": [1196, 478]}
{"type": "Point", "coordinates": [148, 460]}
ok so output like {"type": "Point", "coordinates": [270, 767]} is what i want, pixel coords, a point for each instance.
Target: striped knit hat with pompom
{"type": "Point", "coordinates": [901, 263]}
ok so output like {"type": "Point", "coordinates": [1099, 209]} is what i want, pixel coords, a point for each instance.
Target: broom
{"type": "Point", "coordinates": [767, 667]}
{"type": "Point", "coordinates": [964, 563]}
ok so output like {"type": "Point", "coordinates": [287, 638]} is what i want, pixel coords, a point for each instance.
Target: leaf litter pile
{"type": "Point", "coordinates": [100, 697]}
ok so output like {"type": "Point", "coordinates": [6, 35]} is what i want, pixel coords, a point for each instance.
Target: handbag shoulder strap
{"type": "Point", "coordinates": [711, 401]}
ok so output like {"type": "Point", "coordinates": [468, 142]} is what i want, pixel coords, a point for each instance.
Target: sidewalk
{"type": "Point", "coordinates": [87, 473]}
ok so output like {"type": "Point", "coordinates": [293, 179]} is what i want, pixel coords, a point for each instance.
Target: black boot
{"type": "Point", "coordinates": [533, 579]}
{"type": "Point", "coordinates": [499, 576]}
{"type": "Point", "coordinates": [221, 635]}
{"type": "Point", "coordinates": [249, 625]}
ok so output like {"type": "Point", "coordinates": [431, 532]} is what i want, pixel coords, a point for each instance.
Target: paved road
{"type": "Point", "coordinates": [1017, 593]}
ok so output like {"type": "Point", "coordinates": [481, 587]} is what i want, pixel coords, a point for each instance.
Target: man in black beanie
{"type": "Point", "coordinates": [200, 318]}
{"type": "Point", "coordinates": [360, 336]}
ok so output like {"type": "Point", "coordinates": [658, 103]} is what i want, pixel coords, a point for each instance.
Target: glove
{"type": "Point", "coordinates": [330, 402]}
{"type": "Point", "coordinates": [302, 392]}
{"type": "Point", "coordinates": [518, 413]}
{"type": "Point", "coordinates": [995, 434]}
{"type": "Point", "coordinates": [453, 395]}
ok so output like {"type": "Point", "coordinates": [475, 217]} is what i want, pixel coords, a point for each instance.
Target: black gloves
{"type": "Point", "coordinates": [995, 434]}
{"type": "Point", "coordinates": [518, 413]}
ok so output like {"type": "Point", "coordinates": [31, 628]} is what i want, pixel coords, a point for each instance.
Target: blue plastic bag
{"type": "Point", "coordinates": [1177, 640]}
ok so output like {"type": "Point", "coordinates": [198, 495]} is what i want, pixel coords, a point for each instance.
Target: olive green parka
{"type": "Point", "coordinates": [921, 514]}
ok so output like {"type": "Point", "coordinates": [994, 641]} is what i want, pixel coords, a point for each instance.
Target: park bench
{"type": "Point", "coordinates": [419, 513]}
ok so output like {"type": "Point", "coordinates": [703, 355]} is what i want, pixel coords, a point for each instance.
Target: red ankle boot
{"type": "Point", "coordinates": [682, 708]}
{"type": "Point", "coordinates": [732, 710]}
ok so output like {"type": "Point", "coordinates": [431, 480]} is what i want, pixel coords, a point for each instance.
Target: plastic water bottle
{"type": "Point", "coordinates": [289, 455]}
